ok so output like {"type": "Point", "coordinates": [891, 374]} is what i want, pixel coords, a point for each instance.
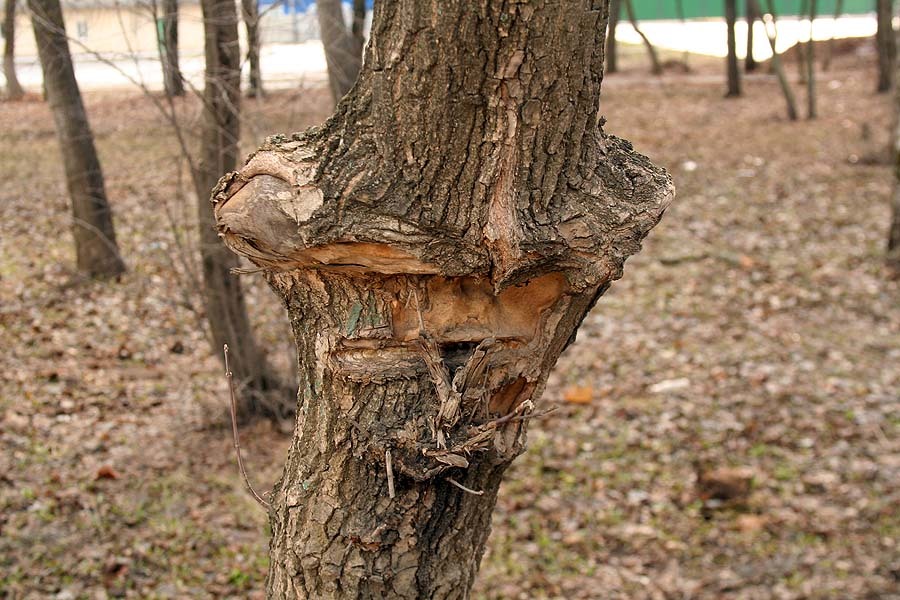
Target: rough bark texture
{"type": "Point", "coordinates": [777, 65]}
{"type": "Point", "coordinates": [250, 10]}
{"type": "Point", "coordinates": [734, 74]}
{"type": "Point", "coordinates": [437, 243]}
{"type": "Point", "coordinates": [886, 43]}
{"type": "Point", "coordinates": [655, 65]}
{"type": "Point", "coordinates": [14, 90]}
{"type": "Point", "coordinates": [750, 63]}
{"type": "Point", "coordinates": [612, 55]}
{"type": "Point", "coordinates": [261, 392]}
{"type": "Point", "coordinates": [342, 51]}
{"type": "Point", "coordinates": [92, 225]}
{"type": "Point", "coordinates": [172, 80]}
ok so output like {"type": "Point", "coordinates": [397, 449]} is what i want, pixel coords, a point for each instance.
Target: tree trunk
{"type": "Point", "coordinates": [359, 25]}
{"type": "Point", "coordinates": [893, 246]}
{"type": "Point", "coordinates": [92, 226]}
{"type": "Point", "coordinates": [800, 46]}
{"type": "Point", "coordinates": [262, 393]}
{"type": "Point", "coordinates": [776, 63]}
{"type": "Point", "coordinates": [437, 243]}
{"type": "Point", "coordinates": [612, 55]}
{"type": "Point", "coordinates": [886, 43]}
{"type": "Point", "coordinates": [14, 90]}
{"type": "Point", "coordinates": [651, 51]}
{"type": "Point", "coordinates": [811, 65]}
{"type": "Point", "coordinates": [734, 74]}
{"type": "Point", "coordinates": [341, 49]}
{"type": "Point", "coordinates": [752, 15]}
{"type": "Point", "coordinates": [829, 49]}
{"type": "Point", "coordinates": [172, 79]}
{"type": "Point", "coordinates": [250, 9]}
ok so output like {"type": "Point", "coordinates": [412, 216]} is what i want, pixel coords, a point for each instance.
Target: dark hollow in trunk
{"type": "Point", "coordinates": [261, 393]}
{"type": "Point", "coordinates": [886, 43]}
{"type": "Point", "coordinates": [92, 226]}
{"type": "Point", "coordinates": [734, 74]}
{"type": "Point", "coordinates": [14, 90]}
{"type": "Point", "coordinates": [172, 80]}
{"type": "Point", "coordinates": [437, 242]}
{"type": "Point", "coordinates": [250, 10]}
{"type": "Point", "coordinates": [342, 50]}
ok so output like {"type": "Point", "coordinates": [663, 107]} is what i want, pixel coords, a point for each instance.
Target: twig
{"type": "Point", "coordinates": [464, 488]}
{"type": "Point", "coordinates": [237, 441]}
{"type": "Point", "coordinates": [390, 472]}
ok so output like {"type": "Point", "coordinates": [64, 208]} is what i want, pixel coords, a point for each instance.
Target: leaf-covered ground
{"type": "Point", "coordinates": [729, 414]}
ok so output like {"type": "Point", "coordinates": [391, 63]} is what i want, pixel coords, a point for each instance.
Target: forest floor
{"type": "Point", "coordinates": [728, 418]}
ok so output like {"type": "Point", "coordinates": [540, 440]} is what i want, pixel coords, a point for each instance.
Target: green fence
{"type": "Point", "coordinates": [694, 9]}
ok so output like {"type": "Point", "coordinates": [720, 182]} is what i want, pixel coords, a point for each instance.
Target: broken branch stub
{"type": "Point", "coordinates": [437, 243]}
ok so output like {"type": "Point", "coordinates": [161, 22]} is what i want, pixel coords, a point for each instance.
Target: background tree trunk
{"type": "Point", "coordinates": [172, 79]}
{"type": "Point", "coordinates": [893, 245]}
{"type": "Point", "coordinates": [14, 90]}
{"type": "Point", "coordinates": [811, 65]}
{"type": "Point", "coordinates": [886, 43]}
{"type": "Point", "coordinates": [829, 48]}
{"type": "Point", "coordinates": [437, 243]}
{"type": "Point", "coordinates": [734, 74]}
{"type": "Point", "coordinates": [612, 55]}
{"type": "Point", "coordinates": [92, 226]}
{"type": "Point", "coordinates": [752, 15]}
{"type": "Point", "coordinates": [777, 66]}
{"type": "Point", "coordinates": [262, 394]}
{"type": "Point", "coordinates": [358, 27]}
{"type": "Point", "coordinates": [250, 9]}
{"type": "Point", "coordinates": [656, 66]}
{"type": "Point", "coordinates": [342, 52]}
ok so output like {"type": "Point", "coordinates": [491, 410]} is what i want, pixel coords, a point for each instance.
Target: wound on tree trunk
{"type": "Point", "coordinates": [437, 243]}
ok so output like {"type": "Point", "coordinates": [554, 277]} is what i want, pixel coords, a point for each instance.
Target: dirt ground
{"type": "Point", "coordinates": [728, 418]}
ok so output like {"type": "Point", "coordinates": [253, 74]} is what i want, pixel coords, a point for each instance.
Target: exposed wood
{"type": "Point", "coordinates": [172, 79]}
{"type": "Point", "coordinates": [14, 89]}
{"type": "Point", "coordinates": [437, 242]}
{"type": "Point", "coordinates": [342, 50]}
{"type": "Point", "coordinates": [261, 393]}
{"type": "Point", "coordinates": [733, 73]}
{"type": "Point", "coordinates": [92, 225]}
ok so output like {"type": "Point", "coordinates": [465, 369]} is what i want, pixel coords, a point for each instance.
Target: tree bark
{"type": "Point", "coordinates": [656, 66]}
{"type": "Point", "coordinates": [262, 394]}
{"type": "Point", "coordinates": [437, 243]}
{"type": "Point", "coordinates": [829, 49]}
{"type": "Point", "coordinates": [172, 79]}
{"type": "Point", "coordinates": [752, 15]}
{"type": "Point", "coordinates": [893, 245]}
{"type": "Point", "coordinates": [887, 44]}
{"type": "Point", "coordinates": [14, 89]}
{"type": "Point", "coordinates": [777, 66]}
{"type": "Point", "coordinates": [612, 54]}
{"type": "Point", "coordinates": [95, 239]}
{"type": "Point", "coordinates": [342, 53]}
{"type": "Point", "coordinates": [734, 74]}
{"type": "Point", "coordinates": [811, 65]}
{"type": "Point", "coordinates": [250, 10]}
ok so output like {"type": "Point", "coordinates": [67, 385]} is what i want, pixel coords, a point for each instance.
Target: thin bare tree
{"type": "Point", "coordinates": [168, 31]}
{"type": "Point", "coordinates": [14, 89]}
{"type": "Point", "coordinates": [250, 13]}
{"type": "Point", "coordinates": [734, 73]}
{"type": "Point", "coordinates": [752, 16]}
{"type": "Point", "coordinates": [769, 20]}
{"type": "Point", "coordinates": [656, 66]}
{"type": "Point", "coordinates": [893, 243]}
{"type": "Point", "coordinates": [263, 394]}
{"type": "Point", "coordinates": [92, 226]}
{"type": "Point", "coordinates": [829, 48]}
{"type": "Point", "coordinates": [811, 65]}
{"type": "Point", "coordinates": [612, 52]}
{"type": "Point", "coordinates": [886, 43]}
{"type": "Point", "coordinates": [342, 50]}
